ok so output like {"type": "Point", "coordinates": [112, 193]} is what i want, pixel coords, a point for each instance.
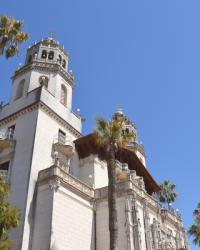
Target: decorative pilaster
{"type": "Point", "coordinates": [154, 229]}
{"type": "Point", "coordinates": [185, 240]}
{"type": "Point", "coordinates": [178, 240]}
{"type": "Point", "coordinates": [147, 227]}
{"type": "Point", "coordinates": [136, 224]}
{"type": "Point", "coordinates": [128, 223]}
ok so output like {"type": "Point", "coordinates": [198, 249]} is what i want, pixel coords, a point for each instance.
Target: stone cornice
{"type": "Point", "coordinates": [19, 113]}
{"type": "Point", "coordinates": [45, 67]}
{"type": "Point", "coordinates": [64, 123]}
{"type": "Point", "coordinates": [60, 177]}
{"type": "Point", "coordinates": [47, 110]}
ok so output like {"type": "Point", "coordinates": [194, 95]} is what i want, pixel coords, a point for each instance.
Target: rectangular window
{"type": "Point", "coordinates": [61, 136]}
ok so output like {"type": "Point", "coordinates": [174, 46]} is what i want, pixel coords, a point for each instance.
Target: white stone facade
{"type": "Point", "coordinates": [62, 194]}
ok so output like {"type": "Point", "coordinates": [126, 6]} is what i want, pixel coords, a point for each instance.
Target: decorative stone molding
{"type": "Point", "coordinates": [54, 184]}
{"type": "Point", "coordinates": [64, 123]}
{"type": "Point", "coordinates": [46, 67]}
{"type": "Point", "coordinates": [155, 234]}
{"type": "Point", "coordinates": [129, 186]}
{"type": "Point", "coordinates": [136, 224]}
{"type": "Point", "coordinates": [137, 180]}
{"type": "Point", "coordinates": [128, 223]}
{"type": "Point", "coordinates": [66, 180]}
{"type": "Point", "coordinates": [19, 113]}
{"type": "Point", "coordinates": [46, 109]}
{"type": "Point", "coordinates": [163, 213]}
{"type": "Point", "coordinates": [147, 227]}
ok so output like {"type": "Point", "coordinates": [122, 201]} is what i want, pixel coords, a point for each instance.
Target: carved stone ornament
{"type": "Point", "coordinates": [54, 184]}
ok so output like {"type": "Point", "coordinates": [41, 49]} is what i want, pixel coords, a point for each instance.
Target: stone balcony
{"type": "Point", "coordinates": [55, 175]}
{"type": "Point", "coordinates": [6, 140]}
{"type": "Point", "coordinates": [64, 145]}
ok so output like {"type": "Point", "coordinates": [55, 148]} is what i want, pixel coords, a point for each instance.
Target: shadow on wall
{"type": "Point", "coordinates": [31, 216]}
{"type": "Point", "coordinates": [93, 234]}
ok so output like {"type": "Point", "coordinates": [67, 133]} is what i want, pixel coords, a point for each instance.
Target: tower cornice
{"type": "Point", "coordinates": [45, 67]}
{"type": "Point", "coordinates": [46, 109]}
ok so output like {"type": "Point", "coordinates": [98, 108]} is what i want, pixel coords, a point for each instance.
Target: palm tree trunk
{"type": "Point", "coordinates": [112, 196]}
{"type": "Point", "coordinates": [3, 42]}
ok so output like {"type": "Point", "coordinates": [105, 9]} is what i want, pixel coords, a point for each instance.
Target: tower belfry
{"type": "Point", "coordinates": [46, 64]}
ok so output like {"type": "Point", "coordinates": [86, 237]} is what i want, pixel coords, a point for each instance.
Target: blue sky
{"type": "Point", "coordinates": [142, 55]}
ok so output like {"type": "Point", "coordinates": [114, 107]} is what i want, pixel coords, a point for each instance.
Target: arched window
{"type": "Point", "coordinates": [63, 63]}
{"type": "Point", "coordinates": [51, 55]}
{"type": "Point", "coordinates": [63, 95]}
{"type": "Point", "coordinates": [44, 54]}
{"type": "Point", "coordinates": [20, 89]}
{"type": "Point", "coordinates": [60, 59]}
{"type": "Point", "coordinates": [35, 55]}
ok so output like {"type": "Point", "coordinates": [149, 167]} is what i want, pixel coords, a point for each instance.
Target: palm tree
{"type": "Point", "coordinates": [11, 35]}
{"type": "Point", "coordinates": [111, 135]}
{"type": "Point", "coordinates": [194, 230]}
{"type": "Point", "coordinates": [9, 216]}
{"type": "Point", "coordinates": [167, 193]}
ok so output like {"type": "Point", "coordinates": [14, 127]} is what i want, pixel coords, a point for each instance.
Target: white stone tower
{"type": "Point", "coordinates": [38, 126]}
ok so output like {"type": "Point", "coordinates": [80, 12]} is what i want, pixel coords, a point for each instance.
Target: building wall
{"type": "Point", "coordinates": [61, 110]}
{"type": "Point", "coordinates": [135, 219]}
{"type": "Point", "coordinates": [42, 219]}
{"type": "Point", "coordinates": [102, 238]}
{"type": "Point", "coordinates": [72, 222]}
{"type": "Point", "coordinates": [26, 76]}
{"type": "Point", "coordinates": [54, 85]}
{"type": "Point", "coordinates": [46, 133]}
{"type": "Point", "coordinates": [93, 171]}
{"type": "Point", "coordinates": [24, 135]}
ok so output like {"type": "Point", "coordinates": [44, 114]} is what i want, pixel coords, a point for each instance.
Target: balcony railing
{"type": "Point", "coordinates": [64, 145]}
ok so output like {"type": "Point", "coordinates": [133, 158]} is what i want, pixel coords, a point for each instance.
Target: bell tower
{"type": "Point", "coordinates": [46, 64]}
